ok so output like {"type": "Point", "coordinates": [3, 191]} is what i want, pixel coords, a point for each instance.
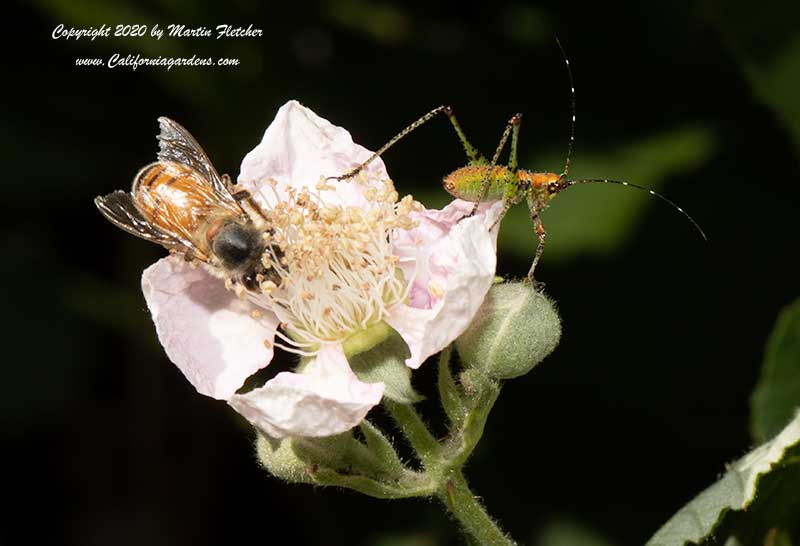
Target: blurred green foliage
{"type": "Point", "coordinates": [771, 66]}
{"type": "Point", "coordinates": [564, 531]}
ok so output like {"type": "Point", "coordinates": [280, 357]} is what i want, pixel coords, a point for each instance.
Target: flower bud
{"type": "Point", "coordinates": [514, 330]}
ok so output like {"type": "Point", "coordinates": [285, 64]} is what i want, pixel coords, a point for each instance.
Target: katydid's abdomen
{"type": "Point", "coordinates": [465, 183]}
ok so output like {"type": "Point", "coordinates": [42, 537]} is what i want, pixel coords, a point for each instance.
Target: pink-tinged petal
{"type": "Point", "coordinates": [452, 263]}
{"type": "Point", "coordinates": [325, 399]}
{"type": "Point", "coordinates": [298, 148]}
{"type": "Point", "coordinates": [205, 329]}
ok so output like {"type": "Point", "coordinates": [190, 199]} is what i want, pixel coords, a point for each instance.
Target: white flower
{"type": "Point", "coordinates": [343, 257]}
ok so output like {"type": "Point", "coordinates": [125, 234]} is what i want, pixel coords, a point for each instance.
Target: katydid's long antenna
{"type": "Point", "coordinates": [572, 93]}
{"type": "Point", "coordinates": [568, 183]}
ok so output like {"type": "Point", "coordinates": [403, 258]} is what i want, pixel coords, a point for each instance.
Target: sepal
{"type": "Point", "coordinates": [385, 363]}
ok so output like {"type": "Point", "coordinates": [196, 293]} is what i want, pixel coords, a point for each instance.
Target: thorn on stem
{"type": "Point", "coordinates": [451, 492]}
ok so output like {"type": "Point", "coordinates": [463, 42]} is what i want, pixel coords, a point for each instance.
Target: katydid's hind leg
{"type": "Point", "coordinates": [541, 234]}
{"type": "Point", "coordinates": [512, 157]}
{"type": "Point", "coordinates": [513, 193]}
{"type": "Point", "coordinates": [475, 156]}
{"type": "Point", "coordinates": [399, 136]}
{"type": "Point", "coordinates": [512, 125]}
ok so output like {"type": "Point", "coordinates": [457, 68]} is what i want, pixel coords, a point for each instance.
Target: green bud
{"type": "Point", "coordinates": [514, 330]}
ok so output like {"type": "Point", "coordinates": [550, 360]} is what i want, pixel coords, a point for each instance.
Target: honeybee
{"type": "Point", "coordinates": [181, 203]}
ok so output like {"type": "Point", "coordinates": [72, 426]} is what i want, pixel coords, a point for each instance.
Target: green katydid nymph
{"type": "Point", "coordinates": [483, 180]}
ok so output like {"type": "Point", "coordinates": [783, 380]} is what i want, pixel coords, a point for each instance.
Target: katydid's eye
{"type": "Point", "coordinates": [552, 187]}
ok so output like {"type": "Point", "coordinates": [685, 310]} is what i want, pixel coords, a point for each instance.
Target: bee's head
{"type": "Point", "coordinates": [237, 245]}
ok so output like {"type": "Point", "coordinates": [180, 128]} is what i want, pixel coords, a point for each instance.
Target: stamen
{"type": "Point", "coordinates": [331, 268]}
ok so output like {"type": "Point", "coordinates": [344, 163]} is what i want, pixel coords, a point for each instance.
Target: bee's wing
{"type": "Point", "coordinates": [120, 210]}
{"type": "Point", "coordinates": [178, 145]}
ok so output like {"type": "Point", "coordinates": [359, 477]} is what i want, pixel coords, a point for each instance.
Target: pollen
{"type": "Point", "coordinates": [435, 290]}
{"type": "Point", "coordinates": [267, 287]}
{"type": "Point", "coordinates": [332, 266]}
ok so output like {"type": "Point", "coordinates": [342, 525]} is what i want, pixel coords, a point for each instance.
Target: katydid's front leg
{"type": "Point", "coordinates": [512, 195]}
{"type": "Point", "coordinates": [541, 234]}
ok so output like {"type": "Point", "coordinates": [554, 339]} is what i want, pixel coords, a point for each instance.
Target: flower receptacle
{"type": "Point", "coordinates": [366, 339]}
{"type": "Point", "coordinates": [384, 362]}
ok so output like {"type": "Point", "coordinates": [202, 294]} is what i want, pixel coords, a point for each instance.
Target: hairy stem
{"type": "Point", "coordinates": [470, 513]}
{"type": "Point", "coordinates": [412, 426]}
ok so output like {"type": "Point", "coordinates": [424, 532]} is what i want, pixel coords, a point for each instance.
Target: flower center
{"type": "Point", "coordinates": [331, 269]}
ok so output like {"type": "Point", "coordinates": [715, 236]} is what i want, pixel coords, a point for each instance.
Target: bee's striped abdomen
{"type": "Point", "coordinates": [172, 196]}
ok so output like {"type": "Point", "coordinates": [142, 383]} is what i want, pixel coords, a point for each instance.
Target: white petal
{"type": "Point", "coordinates": [298, 148]}
{"type": "Point", "coordinates": [205, 329]}
{"type": "Point", "coordinates": [453, 267]}
{"type": "Point", "coordinates": [325, 399]}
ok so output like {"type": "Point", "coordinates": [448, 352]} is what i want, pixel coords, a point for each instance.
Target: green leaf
{"type": "Point", "coordinates": [756, 494]}
{"type": "Point", "coordinates": [777, 394]}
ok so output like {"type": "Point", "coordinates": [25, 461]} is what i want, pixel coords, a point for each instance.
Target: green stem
{"type": "Point", "coordinates": [414, 429]}
{"type": "Point", "coordinates": [470, 513]}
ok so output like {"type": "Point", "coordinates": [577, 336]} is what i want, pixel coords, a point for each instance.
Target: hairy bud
{"type": "Point", "coordinates": [514, 330]}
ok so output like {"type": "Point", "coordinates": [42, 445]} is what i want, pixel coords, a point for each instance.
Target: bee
{"type": "Point", "coordinates": [181, 203]}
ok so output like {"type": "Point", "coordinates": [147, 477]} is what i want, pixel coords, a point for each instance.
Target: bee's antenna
{"type": "Point", "coordinates": [572, 93]}
{"type": "Point", "coordinates": [567, 183]}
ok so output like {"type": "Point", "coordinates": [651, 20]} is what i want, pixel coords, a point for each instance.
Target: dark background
{"type": "Point", "coordinates": [639, 408]}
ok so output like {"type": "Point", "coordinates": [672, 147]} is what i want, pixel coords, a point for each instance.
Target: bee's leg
{"type": "Point", "coordinates": [250, 206]}
{"type": "Point", "coordinates": [541, 234]}
{"type": "Point", "coordinates": [512, 126]}
{"type": "Point", "coordinates": [252, 278]}
{"type": "Point", "coordinates": [421, 121]}
{"type": "Point", "coordinates": [226, 179]}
